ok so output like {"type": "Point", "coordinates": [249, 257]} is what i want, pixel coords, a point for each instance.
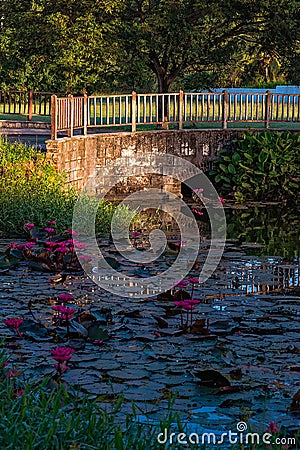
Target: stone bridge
{"type": "Point", "coordinates": [81, 156]}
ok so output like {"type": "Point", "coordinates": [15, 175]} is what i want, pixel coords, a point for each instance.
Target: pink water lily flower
{"type": "Point", "coordinates": [85, 258]}
{"type": "Point", "coordinates": [14, 324]}
{"type": "Point", "coordinates": [51, 244]}
{"type": "Point", "coordinates": [12, 373]}
{"type": "Point", "coordinates": [49, 230]}
{"type": "Point", "coordinates": [29, 244]}
{"type": "Point", "coordinates": [66, 313]}
{"type": "Point", "coordinates": [28, 226]}
{"type": "Point", "coordinates": [19, 393]}
{"type": "Point", "coordinates": [135, 234]}
{"type": "Point", "coordinates": [79, 245]}
{"type": "Point", "coordinates": [61, 249]}
{"type": "Point", "coordinates": [193, 280]}
{"type": "Point", "coordinates": [195, 211]}
{"type": "Point", "coordinates": [13, 245]}
{"type": "Point", "coordinates": [272, 428]}
{"type": "Point", "coordinates": [65, 297]}
{"type": "Point", "coordinates": [180, 304]}
{"type": "Point", "coordinates": [181, 284]}
{"type": "Point", "coordinates": [62, 354]}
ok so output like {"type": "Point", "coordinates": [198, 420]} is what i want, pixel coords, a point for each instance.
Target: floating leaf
{"type": "Point", "coordinates": [96, 333]}
{"type": "Point", "coordinates": [211, 378]}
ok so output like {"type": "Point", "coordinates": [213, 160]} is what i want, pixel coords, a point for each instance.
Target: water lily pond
{"type": "Point", "coordinates": [238, 360]}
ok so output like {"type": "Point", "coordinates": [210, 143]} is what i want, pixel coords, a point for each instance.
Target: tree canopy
{"type": "Point", "coordinates": [120, 45]}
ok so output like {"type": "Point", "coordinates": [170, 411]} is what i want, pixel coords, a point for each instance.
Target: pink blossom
{"type": "Point", "coordinates": [180, 304]}
{"type": "Point", "coordinates": [135, 234]}
{"type": "Point", "coordinates": [195, 211]}
{"type": "Point", "coordinates": [62, 354]}
{"type": "Point", "coordinates": [79, 245]}
{"type": "Point", "coordinates": [49, 230]}
{"type": "Point", "coordinates": [61, 250]}
{"type": "Point", "coordinates": [52, 223]}
{"type": "Point", "coordinates": [28, 226]}
{"type": "Point", "coordinates": [193, 302]}
{"type": "Point", "coordinates": [221, 199]}
{"type": "Point", "coordinates": [65, 297]}
{"type": "Point", "coordinates": [20, 247]}
{"type": "Point", "coordinates": [51, 244]}
{"type": "Point", "coordinates": [65, 312]}
{"type": "Point", "coordinates": [12, 373]}
{"type": "Point", "coordinates": [13, 322]}
{"type": "Point", "coordinates": [85, 257]}
{"type": "Point", "coordinates": [193, 280]}
{"type": "Point", "coordinates": [29, 244]}
{"type": "Point", "coordinates": [19, 393]}
{"type": "Point", "coordinates": [272, 428]}
{"type": "Point", "coordinates": [13, 245]}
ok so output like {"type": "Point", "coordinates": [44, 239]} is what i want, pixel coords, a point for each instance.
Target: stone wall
{"type": "Point", "coordinates": [81, 156]}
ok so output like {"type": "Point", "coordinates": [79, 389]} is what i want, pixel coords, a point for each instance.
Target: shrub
{"type": "Point", "coordinates": [260, 167]}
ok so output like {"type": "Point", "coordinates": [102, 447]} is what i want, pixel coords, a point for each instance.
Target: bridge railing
{"type": "Point", "coordinates": [132, 110]}
{"type": "Point", "coordinates": [25, 103]}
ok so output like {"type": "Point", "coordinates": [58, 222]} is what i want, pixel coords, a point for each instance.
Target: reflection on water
{"type": "Point", "coordinates": [277, 229]}
{"type": "Point", "coordinates": [264, 276]}
{"type": "Point", "coordinates": [32, 140]}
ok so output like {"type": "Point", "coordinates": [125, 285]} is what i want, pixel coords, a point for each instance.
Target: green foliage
{"type": "Point", "coordinates": [261, 167]}
{"type": "Point", "coordinates": [31, 190]}
{"type": "Point", "coordinates": [67, 45]}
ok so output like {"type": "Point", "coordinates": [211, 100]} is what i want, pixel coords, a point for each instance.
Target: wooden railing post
{"type": "Point", "coordinates": [267, 111]}
{"type": "Point", "coordinates": [180, 110]}
{"type": "Point", "coordinates": [133, 111]}
{"type": "Point", "coordinates": [225, 109]}
{"type": "Point", "coordinates": [30, 104]}
{"type": "Point", "coordinates": [54, 117]}
{"type": "Point", "coordinates": [71, 103]}
{"type": "Point", "coordinates": [85, 113]}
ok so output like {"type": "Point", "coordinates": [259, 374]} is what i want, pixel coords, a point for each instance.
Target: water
{"type": "Point", "coordinates": [275, 228]}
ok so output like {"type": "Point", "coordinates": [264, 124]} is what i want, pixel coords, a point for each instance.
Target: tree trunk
{"type": "Point", "coordinates": [163, 87]}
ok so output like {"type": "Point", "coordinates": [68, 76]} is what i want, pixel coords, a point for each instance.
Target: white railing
{"type": "Point", "coordinates": [132, 110]}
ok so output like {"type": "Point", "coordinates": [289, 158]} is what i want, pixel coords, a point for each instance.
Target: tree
{"type": "Point", "coordinates": [176, 37]}
{"type": "Point", "coordinates": [60, 46]}
{"type": "Point", "coordinates": [120, 45]}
